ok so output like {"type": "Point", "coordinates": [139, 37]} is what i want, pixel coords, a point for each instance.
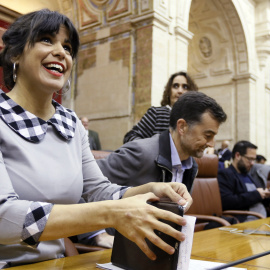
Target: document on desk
{"type": "Point", "coordinates": [108, 266]}
{"type": "Point", "coordinates": [204, 265]}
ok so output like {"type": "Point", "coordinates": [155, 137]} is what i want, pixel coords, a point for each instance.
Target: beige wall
{"type": "Point", "coordinates": [139, 48]}
{"type": "Point", "coordinates": [105, 73]}
{"type": "Point", "coordinates": [103, 96]}
{"type": "Point", "coordinates": [25, 6]}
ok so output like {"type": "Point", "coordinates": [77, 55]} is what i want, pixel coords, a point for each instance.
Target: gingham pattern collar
{"type": "Point", "coordinates": [30, 126]}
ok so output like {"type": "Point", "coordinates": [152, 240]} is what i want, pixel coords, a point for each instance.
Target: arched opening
{"type": "Point", "coordinates": [218, 60]}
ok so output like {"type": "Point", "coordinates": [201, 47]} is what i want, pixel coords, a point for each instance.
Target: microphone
{"type": "Point", "coordinates": [226, 265]}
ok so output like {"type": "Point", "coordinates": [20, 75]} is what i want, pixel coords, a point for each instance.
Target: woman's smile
{"type": "Point", "coordinates": [54, 68]}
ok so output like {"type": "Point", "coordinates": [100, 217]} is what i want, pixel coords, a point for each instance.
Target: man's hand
{"type": "Point", "coordinates": [177, 192]}
{"type": "Point", "coordinates": [137, 220]}
{"type": "Point", "coordinates": [265, 193]}
{"type": "Point", "coordinates": [104, 240]}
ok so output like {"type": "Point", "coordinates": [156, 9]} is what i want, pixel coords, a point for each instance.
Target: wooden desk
{"type": "Point", "coordinates": [79, 262]}
{"type": "Point", "coordinates": [210, 245]}
{"type": "Point", "coordinates": [222, 246]}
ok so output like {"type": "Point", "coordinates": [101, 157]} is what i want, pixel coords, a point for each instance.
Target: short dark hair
{"type": "Point", "coordinates": [241, 147]}
{"type": "Point", "coordinates": [28, 28]}
{"type": "Point", "coordinates": [166, 99]}
{"type": "Point", "coordinates": [192, 105]}
{"type": "Point", "coordinates": [260, 157]}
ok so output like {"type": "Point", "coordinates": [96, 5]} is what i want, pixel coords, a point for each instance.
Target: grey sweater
{"type": "Point", "coordinates": [55, 171]}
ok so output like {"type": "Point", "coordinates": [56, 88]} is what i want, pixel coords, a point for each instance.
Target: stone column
{"type": "Point", "coordinates": [161, 39]}
{"type": "Point", "coordinates": [245, 107]}
{"type": "Point", "coordinates": [262, 29]}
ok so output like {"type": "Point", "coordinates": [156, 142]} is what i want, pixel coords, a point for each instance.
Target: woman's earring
{"type": "Point", "coordinates": [65, 88]}
{"type": "Point", "coordinates": [14, 72]}
{"type": "Point", "coordinates": [68, 86]}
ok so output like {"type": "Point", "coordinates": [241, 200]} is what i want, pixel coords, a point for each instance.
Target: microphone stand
{"type": "Point", "coordinates": [240, 261]}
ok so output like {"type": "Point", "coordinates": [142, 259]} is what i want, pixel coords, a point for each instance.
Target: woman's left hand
{"type": "Point", "coordinates": [177, 192]}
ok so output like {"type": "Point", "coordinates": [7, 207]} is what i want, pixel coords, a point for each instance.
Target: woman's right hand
{"type": "Point", "coordinates": [133, 217]}
{"type": "Point", "coordinates": [136, 219]}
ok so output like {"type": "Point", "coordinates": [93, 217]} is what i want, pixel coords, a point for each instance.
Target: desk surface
{"type": "Point", "coordinates": [222, 246]}
{"type": "Point", "coordinates": [210, 245]}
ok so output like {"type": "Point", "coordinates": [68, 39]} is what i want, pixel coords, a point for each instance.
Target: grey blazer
{"type": "Point", "coordinates": [259, 173]}
{"type": "Point", "coordinates": [142, 161]}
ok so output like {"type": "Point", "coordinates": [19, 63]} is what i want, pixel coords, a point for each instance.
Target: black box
{"type": "Point", "coordinates": [127, 255]}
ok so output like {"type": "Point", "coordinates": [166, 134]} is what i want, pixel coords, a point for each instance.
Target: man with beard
{"type": "Point", "coordinates": [194, 121]}
{"type": "Point", "coordinates": [238, 189]}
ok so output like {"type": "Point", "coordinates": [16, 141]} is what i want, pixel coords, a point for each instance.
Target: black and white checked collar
{"type": "Point", "coordinates": [30, 126]}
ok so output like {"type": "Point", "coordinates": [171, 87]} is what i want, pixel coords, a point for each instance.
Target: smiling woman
{"type": "Point", "coordinates": [46, 165]}
{"type": "Point", "coordinates": [42, 26]}
{"type": "Point", "coordinates": [50, 62]}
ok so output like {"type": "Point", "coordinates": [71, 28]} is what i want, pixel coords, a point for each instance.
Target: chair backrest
{"type": "Point", "coordinates": [206, 197]}
{"type": "Point", "coordinates": [205, 192]}
{"type": "Point", "coordinates": [207, 166]}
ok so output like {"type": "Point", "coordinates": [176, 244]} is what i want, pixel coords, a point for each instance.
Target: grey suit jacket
{"type": "Point", "coordinates": [142, 161]}
{"type": "Point", "coordinates": [259, 173]}
{"type": "Point", "coordinates": [94, 140]}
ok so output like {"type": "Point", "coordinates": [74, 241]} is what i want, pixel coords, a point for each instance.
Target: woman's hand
{"type": "Point", "coordinates": [132, 216]}
{"type": "Point", "coordinates": [136, 219]}
{"type": "Point", "coordinates": [104, 240]}
{"type": "Point", "coordinates": [177, 192]}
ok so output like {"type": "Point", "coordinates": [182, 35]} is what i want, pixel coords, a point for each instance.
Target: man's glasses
{"type": "Point", "coordinates": [250, 159]}
{"type": "Point", "coordinates": [183, 85]}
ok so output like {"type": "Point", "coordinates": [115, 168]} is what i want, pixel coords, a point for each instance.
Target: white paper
{"type": "Point", "coordinates": [186, 245]}
{"type": "Point", "coordinates": [108, 266]}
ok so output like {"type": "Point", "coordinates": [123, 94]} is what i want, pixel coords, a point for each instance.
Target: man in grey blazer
{"type": "Point", "coordinates": [194, 121]}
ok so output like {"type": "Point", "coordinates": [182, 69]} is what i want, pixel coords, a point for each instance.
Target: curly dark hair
{"type": "Point", "coordinates": [28, 29]}
{"type": "Point", "coordinates": [166, 99]}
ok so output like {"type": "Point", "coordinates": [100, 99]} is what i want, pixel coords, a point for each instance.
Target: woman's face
{"type": "Point", "coordinates": [179, 86]}
{"type": "Point", "coordinates": [46, 65]}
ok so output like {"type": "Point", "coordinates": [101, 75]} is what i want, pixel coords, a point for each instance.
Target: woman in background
{"type": "Point", "coordinates": [46, 165]}
{"type": "Point", "coordinates": [156, 119]}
